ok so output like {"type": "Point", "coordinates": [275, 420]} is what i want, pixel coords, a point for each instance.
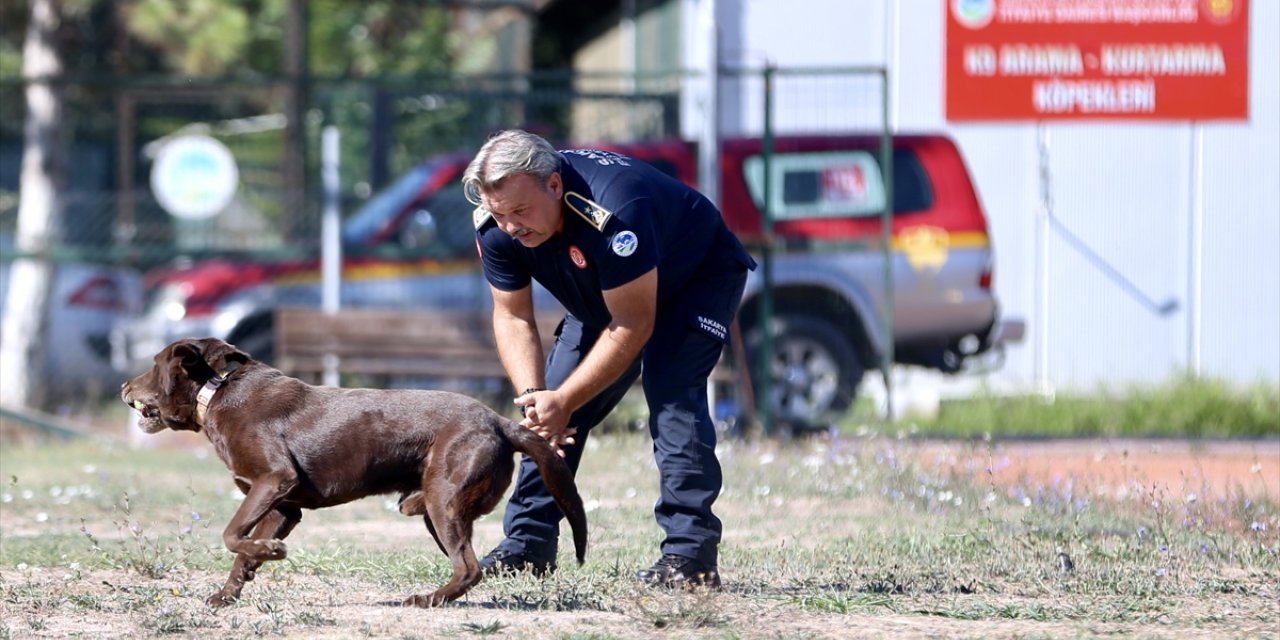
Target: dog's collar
{"type": "Point", "coordinates": [207, 392]}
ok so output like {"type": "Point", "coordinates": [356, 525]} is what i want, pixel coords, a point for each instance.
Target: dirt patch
{"type": "Point", "coordinates": [115, 604]}
{"type": "Point", "coordinates": [288, 600]}
{"type": "Point", "coordinates": [1116, 467]}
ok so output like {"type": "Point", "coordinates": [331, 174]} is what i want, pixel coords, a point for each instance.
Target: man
{"type": "Point", "coordinates": [651, 278]}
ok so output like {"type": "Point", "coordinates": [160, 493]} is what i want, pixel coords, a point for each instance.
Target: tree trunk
{"type": "Point", "coordinates": [44, 168]}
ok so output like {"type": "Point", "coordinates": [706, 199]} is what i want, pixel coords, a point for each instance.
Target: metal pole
{"type": "Point", "coordinates": [765, 364]}
{"type": "Point", "coordinates": [1195, 260]}
{"type": "Point", "coordinates": [1042, 262]}
{"type": "Point", "coordinates": [886, 238]}
{"type": "Point", "coordinates": [330, 240]}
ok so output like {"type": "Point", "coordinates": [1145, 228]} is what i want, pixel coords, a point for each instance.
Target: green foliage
{"type": "Point", "coordinates": [360, 39]}
{"type": "Point", "coordinates": [202, 37]}
{"type": "Point", "coordinates": [239, 37]}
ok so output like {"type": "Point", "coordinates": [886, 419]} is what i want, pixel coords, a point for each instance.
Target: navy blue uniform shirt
{"type": "Point", "coordinates": [622, 218]}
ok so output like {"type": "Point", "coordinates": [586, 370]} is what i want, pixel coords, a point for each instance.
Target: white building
{"type": "Point", "coordinates": [1138, 283]}
{"type": "Point", "coordinates": [1162, 251]}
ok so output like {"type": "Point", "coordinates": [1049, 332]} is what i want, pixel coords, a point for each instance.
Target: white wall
{"type": "Point", "coordinates": [1124, 191]}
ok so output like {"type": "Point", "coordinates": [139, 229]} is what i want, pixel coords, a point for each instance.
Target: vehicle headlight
{"type": "Point", "coordinates": [170, 302]}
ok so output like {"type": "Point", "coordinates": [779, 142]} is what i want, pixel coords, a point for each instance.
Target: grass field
{"type": "Point", "coordinates": [824, 538]}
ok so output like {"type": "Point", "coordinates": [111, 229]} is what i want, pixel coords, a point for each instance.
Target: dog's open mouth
{"type": "Point", "coordinates": [147, 411]}
{"type": "Point", "coordinates": [150, 422]}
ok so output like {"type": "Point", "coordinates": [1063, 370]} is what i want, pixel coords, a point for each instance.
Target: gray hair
{"type": "Point", "coordinates": [505, 154]}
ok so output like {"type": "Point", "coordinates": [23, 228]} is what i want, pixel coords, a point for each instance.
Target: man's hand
{"type": "Point", "coordinates": [546, 415]}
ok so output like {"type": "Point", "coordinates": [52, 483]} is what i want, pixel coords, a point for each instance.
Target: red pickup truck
{"type": "Point", "coordinates": [412, 246]}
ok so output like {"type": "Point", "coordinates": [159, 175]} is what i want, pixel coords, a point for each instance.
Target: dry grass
{"type": "Point", "coordinates": [823, 539]}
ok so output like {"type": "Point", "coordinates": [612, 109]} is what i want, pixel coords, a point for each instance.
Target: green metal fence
{"type": "Point", "coordinates": [116, 126]}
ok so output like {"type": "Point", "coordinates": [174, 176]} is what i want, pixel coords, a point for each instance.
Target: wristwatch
{"type": "Point", "coordinates": [525, 393]}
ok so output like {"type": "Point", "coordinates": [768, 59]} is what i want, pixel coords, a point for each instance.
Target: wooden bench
{"type": "Point", "coordinates": [381, 344]}
{"type": "Point", "coordinates": [377, 346]}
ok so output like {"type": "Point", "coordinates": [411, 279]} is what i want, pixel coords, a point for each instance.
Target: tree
{"type": "Point", "coordinates": [44, 170]}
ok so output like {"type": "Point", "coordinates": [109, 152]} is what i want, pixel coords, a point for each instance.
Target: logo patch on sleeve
{"type": "Point", "coordinates": [625, 243]}
{"type": "Point", "coordinates": [594, 214]}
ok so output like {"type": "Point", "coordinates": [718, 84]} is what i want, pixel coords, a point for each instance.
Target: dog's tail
{"type": "Point", "coordinates": [558, 478]}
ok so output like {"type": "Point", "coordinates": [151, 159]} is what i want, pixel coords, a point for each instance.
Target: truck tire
{"type": "Point", "coordinates": [815, 370]}
{"type": "Point", "coordinates": [257, 338]}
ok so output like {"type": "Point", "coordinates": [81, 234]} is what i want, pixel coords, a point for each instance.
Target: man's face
{"type": "Point", "coordinates": [525, 210]}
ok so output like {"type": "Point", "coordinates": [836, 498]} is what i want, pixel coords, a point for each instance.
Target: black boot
{"type": "Point", "coordinates": [680, 572]}
{"type": "Point", "coordinates": [503, 562]}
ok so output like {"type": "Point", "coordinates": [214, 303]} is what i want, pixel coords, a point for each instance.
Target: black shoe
{"type": "Point", "coordinates": [680, 572]}
{"type": "Point", "coordinates": [503, 562]}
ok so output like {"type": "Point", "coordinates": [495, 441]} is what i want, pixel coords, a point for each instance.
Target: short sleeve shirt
{"type": "Point", "coordinates": [622, 218]}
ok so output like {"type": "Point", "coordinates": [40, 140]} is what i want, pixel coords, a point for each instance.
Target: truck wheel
{"type": "Point", "coordinates": [815, 371]}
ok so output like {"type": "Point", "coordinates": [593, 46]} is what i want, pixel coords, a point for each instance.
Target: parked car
{"type": "Point", "coordinates": [413, 246]}
{"type": "Point", "coordinates": [87, 300]}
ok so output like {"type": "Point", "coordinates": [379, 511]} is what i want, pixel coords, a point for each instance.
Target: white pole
{"type": "Point", "coordinates": [1042, 263]}
{"type": "Point", "coordinates": [709, 146]}
{"type": "Point", "coordinates": [630, 55]}
{"type": "Point", "coordinates": [330, 240]}
{"type": "Point", "coordinates": [893, 52]}
{"type": "Point", "coordinates": [1195, 266]}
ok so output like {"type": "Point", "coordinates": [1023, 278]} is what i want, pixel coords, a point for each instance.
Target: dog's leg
{"type": "Point", "coordinates": [415, 504]}
{"type": "Point", "coordinates": [276, 524]}
{"type": "Point", "coordinates": [261, 500]}
{"type": "Point", "coordinates": [453, 534]}
{"type": "Point", "coordinates": [426, 519]}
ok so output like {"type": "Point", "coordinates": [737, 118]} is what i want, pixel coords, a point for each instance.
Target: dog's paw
{"type": "Point", "coordinates": [425, 601]}
{"type": "Point", "coordinates": [413, 504]}
{"type": "Point", "coordinates": [221, 599]}
{"type": "Point", "coordinates": [274, 548]}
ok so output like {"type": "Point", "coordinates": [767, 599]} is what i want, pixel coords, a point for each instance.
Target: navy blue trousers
{"type": "Point", "coordinates": [676, 363]}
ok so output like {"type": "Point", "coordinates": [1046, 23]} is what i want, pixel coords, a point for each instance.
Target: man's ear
{"type": "Point", "coordinates": [555, 184]}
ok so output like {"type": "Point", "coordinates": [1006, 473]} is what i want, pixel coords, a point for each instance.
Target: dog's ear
{"type": "Point", "coordinates": [185, 356]}
{"type": "Point", "coordinates": [204, 359]}
{"type": "Point", "coordinates": [223, 357]}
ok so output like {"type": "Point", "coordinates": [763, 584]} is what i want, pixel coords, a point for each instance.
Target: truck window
{"type": "Point", "coordinates": [837, 184]}
{"type": "Point", "coordinates": [452, 214]}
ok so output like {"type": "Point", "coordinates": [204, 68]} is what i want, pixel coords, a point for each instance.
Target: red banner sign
{"type": "Point", "coordinates": [1097, 59]}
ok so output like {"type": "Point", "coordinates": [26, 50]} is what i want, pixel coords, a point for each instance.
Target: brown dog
{"type": "Point", "coordinates": [292, 446]}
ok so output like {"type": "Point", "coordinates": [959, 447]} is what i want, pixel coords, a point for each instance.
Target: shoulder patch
{"type": "Point", "coordinates": [594, 214]}
{"type": "Point", "coordinates": [479, 216]}
{"type": "Point", "coordinates": [624, 244]}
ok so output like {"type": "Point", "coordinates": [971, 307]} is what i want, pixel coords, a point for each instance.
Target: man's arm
{"type": "Point", "coordinates": [515, 332]}
{"type": "Point", "coordinates": [633, 307]}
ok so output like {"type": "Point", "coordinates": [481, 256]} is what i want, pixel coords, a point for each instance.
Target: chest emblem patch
{"type": "Point", "coordinates": [575, 255]}
{"type": "Point", "coordinates": [625, 243]}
